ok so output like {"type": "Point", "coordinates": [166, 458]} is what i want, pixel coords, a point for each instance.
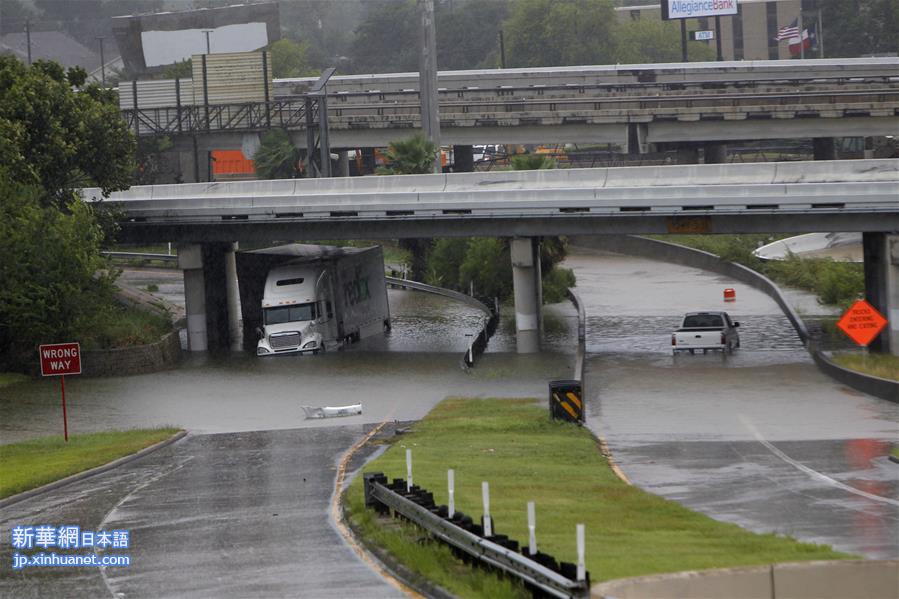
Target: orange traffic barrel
{"type": "Point", "coordinates": [730, 295]}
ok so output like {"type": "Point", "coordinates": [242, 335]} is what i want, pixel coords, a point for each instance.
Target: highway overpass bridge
{"type": "Point", "coordinates": [795, 197]}
{"type": "Point", "coordinates": [636, 107]}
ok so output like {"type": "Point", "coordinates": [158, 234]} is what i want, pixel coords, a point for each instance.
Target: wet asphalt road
{"type": "Point", "coordinates": [224, 515]}
{"type": "Point", "coordinates": [760, 438]}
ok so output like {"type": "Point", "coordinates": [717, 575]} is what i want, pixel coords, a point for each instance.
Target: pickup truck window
{"type": "Point", "coordinates": [703, 321]}
{"type": "Point", "coordinates": [297, 313]}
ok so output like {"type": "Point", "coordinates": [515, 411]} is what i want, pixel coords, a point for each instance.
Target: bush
{"type": "Point", "coordinates": [556, 284]}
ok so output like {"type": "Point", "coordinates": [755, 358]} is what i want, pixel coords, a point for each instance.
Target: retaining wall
{"type": "Point", "coordinates": [161, 355]}
{"type": "Point", "coordinates": [677, 254]}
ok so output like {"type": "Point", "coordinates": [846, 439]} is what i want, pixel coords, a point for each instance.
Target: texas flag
{"type": "Point", "coordinates": [808, 40]}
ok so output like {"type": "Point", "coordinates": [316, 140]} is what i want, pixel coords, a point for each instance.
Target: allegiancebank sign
{"type": "Point", "coordinates": [690, 9]}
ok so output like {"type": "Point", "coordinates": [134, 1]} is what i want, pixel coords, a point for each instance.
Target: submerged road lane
{"type": "Point", "coordinates": [760, 438]}
{"type": "Point", "coordinates": [226, 515]}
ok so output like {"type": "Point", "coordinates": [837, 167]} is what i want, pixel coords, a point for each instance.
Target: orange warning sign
{"type": "Point", "coordinates": [862, 322]}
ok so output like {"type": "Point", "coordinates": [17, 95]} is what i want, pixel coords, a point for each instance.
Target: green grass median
{"type": "Point", "coordinates": [30, 464]}
{"type": "Point", "coordinates": [885, 366]}
{"type": "Point", "coordinates": [525, 456]}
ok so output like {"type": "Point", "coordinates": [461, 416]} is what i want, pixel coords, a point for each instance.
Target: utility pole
{"type": "Point", "coordinates": [820, 34]}
{"type": "Point", "coordinates": [502, 51]}
{"type": "Point", "coordinates": [683, 39]}
{"type": "Point", "coordinates": [801, 39]}
{"type": "Point", "coordinates": [207, 32]}
{"type": "Point", "coordinates": [102, 63]}
{"type": "Point", "coordinates": [28, 37]}
{"type": "Point", "coordinates": [720, 56]}
{"type": "Point", "coordinates": [427, 79]}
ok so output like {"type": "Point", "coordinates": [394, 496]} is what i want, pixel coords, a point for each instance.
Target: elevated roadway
{"type": "Point", "coordinates": [860, 195]}
{"type": "Point", "coordinates": [628, 105]}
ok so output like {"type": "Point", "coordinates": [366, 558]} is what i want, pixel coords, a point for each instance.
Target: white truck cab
{"type": "Point", "coordinates": [297, 310]}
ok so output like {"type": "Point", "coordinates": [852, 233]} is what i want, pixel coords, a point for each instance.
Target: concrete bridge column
{"type": "Point", "coordinates": [190, 260]}
{"type": "Point", "coordinates": [825, 148]}
{"type": "Point", "coordinates": [343, 163]}
{"type": "Point", "coordinates": [235, 325]}
{"type": "Point", "coordinates": [715, 153]}
{"type": "Point", "coordinates": [463, 159]}
{"type": "Point", "coordinates": [526, 281]}
{"type": "Point", "coordinates": [207, 294]}
{"type": "Point", "coordinates": [881, 251]}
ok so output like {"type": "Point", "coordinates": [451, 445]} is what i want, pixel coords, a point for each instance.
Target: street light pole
{"type": "Point", "coordinates": [102, 63]}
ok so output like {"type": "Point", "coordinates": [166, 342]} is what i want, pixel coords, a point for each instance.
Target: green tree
{"type": "Point", "coordinates": [387, 40]}
{"type": "Point", "coordinates": [411, 156]}
{"type": "Point", "coordinates": [856, 27]}
{"type": "Point", "coordinates": [559, 32]}
{"type": "Point", "coordinates": [648, 40]}
{"type": "Point", "coordinates": [532, 162]}
{"type": "Point", "coordinates": [59, 139]}
{"type": "Point", "coordinates": [468, 33]}
{"type": "Point", "coordinates": [290, 59]}
{"type": "Point", "coordinates": [277, 157]}
{"type": "Point", "coordinates": [487, 267]}
{"type": "Point", "coordinates": [53, 138]}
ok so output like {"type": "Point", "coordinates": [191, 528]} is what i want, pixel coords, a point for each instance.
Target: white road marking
{"type": "Point", "coordinates": [812, 473]}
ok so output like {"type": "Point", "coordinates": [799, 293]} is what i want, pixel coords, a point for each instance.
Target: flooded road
{"type": "Point", "coordinates": [760, 438]}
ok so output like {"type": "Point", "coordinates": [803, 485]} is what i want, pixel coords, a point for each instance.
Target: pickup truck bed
{"type": "Point", "coordinates": [709, 330]}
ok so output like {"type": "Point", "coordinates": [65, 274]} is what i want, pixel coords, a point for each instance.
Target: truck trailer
{"type": "Point", "coordinates": [321, 302]}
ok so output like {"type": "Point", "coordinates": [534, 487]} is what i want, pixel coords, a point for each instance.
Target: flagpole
{"type": "Point", "coordinates": [820, 34]}
{"type": "Point", "coordinates": [801, 41]}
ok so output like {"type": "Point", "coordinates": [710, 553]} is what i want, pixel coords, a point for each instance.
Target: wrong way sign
{"type": "Point", "coordinates": [59, 359]}
{"type": "Point", "coordinates": [862, 322]}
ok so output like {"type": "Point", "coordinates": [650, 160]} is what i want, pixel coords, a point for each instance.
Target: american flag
{"type": "Point", "coordinates": [791, 30]}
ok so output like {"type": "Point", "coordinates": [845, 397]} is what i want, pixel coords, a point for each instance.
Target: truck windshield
{"type": "Point", "coordinates": [703, 321]}
{"type": "Point", "coordinates": [296, 313]}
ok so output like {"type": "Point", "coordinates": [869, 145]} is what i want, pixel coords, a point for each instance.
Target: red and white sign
{"type": "Point", "coordinates": [862, 322]}
{"type": "Point", "coordinates": [60, 359]}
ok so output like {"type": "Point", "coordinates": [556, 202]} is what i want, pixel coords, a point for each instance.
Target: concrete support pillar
{"type": "Point", "coordinates": [343, 163]}
{"type": "Point", "coordinates": [636, 139]}
{"type": "Point", "coordinates": [869, 148]}
{"type": "Point", "coordinates": [715, 153]}
{"type": "Point", "coordinates": [235, 326]}
{"type": "Point", "coordinates": [207, 294]}
{"type": "Point", "coordinates": [190, 260]}
{"type": "Point", "coordinates": [687, 154]}
{"type": "Point", "coordinates": [881, 251]}
{"type": "Point", "coordinates": [526, 281]}
{"type": "Point", "coordinates": [825, 148]}
{"type": "Point", "coordinates": [463, 159]}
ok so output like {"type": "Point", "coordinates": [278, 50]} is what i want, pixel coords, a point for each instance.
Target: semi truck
{"type": "Point", "coordinates": [322, 301]}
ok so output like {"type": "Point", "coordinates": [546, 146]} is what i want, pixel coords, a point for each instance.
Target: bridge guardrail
{"type": "Point", "coordinates": [477, 346]}
{"type": "Point", "coordinates": [581, 339]}
{"type": "Point", "coordinates": [142, 256]}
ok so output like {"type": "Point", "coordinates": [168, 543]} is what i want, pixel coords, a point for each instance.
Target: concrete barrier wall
{"type": "Point", "coordinates": [677, 254]}
{"type": "Point", "coordinates": [801, 580]}
{"type": "Point", "coordinates": [161, 355]}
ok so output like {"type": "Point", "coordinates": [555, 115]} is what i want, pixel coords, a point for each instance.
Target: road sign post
{"type": "Point", "coordinates": [60, 359]}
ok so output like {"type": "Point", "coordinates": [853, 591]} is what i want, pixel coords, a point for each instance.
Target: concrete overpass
{"type": "Point", "coordinates": [860, 195]}
{"type": "Point", "coordinates": [637, 107]}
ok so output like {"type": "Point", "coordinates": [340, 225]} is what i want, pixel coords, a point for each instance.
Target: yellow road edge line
{"type": "Point", "coordinates": [340, 523]}
{"type": "Point", "coordinates": [604, 448]}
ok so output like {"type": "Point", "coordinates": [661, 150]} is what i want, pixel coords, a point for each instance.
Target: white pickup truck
{"type": "Point", "coordinates": [705, 331]}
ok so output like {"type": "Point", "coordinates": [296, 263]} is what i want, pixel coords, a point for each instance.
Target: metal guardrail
{"type": "Point", "coordinates": [417, 505]}
{"type": "Point", "coordinates": [142, 256]}
{"type": "Point", "coordinates": [581, 338]}
{"type": "Point", "coordinates": [477, 346]}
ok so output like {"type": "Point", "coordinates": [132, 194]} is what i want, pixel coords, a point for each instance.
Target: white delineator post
{"type": "Point", "coordinates": [409, 470]}
{"type": "Point", "coordinates": [451, 484]}
{"type": "Point", "coordinates": [488, 525]}
{"type": "Point", "coordinates": [532, 528]}
{"type": "Point", "coordinates": [581, 568]}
